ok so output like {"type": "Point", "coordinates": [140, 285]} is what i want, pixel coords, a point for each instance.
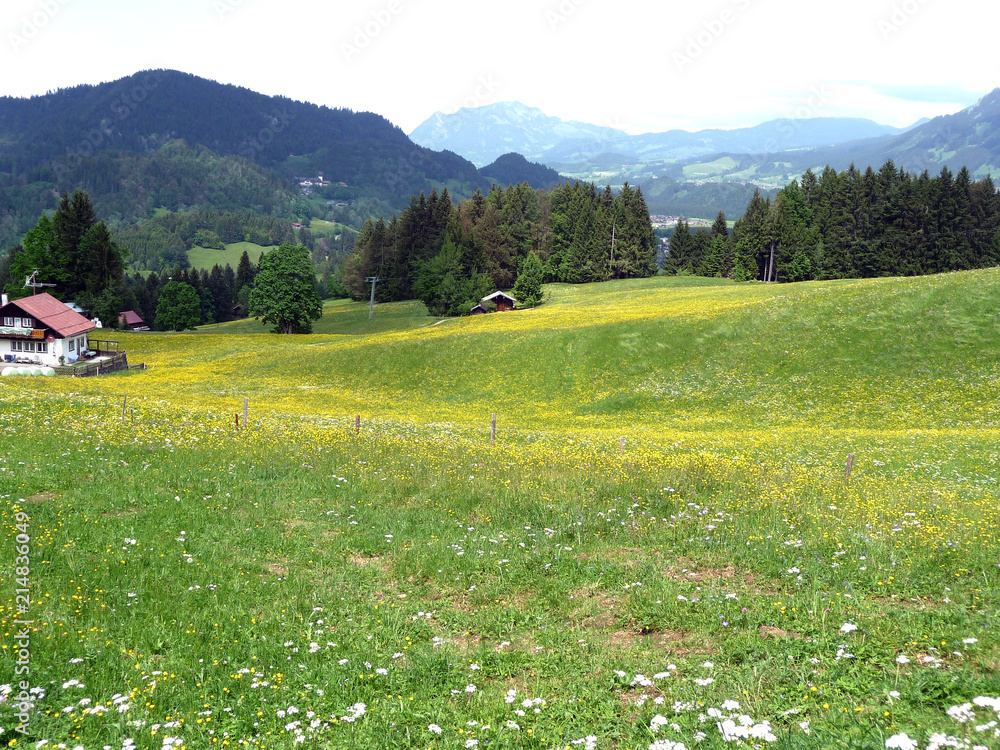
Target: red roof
{"type": "Point", "coordinates": [53, 314]}
{"type": "Point", "coordinates": [131, 318]}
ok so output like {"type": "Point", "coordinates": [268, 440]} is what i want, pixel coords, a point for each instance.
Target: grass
{"type": "Point", "coordinates": [344, 318]}
{"type": "Point", "coordinates": [708, 169]}
{"type": "Point", "coordinates": [323, 228]}
{"type": "Point", "coordinates": [296, 579]}
{"type": "Point", "coordinates": [204, 257]}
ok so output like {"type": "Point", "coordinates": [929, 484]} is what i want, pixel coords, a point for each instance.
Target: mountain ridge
{"type": "Point", "coordinates": [480, 133]}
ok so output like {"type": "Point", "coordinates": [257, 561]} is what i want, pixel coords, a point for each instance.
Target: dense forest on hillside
{"type": "Point", "coordinates": [162, 242]}
{"type": "Point", "coordinates": [852, 224]}
{"type": "Point", "coordinates": [127, 188]}
{"type": "Point", "coordinates": [144, 111]}
{"type": "Point", "coordinates": [578, 234]}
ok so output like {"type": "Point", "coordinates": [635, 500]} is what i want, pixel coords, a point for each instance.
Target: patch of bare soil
{"type": "Point", "coordinates": [41, 497]}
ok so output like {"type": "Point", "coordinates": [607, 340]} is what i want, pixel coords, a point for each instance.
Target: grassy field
{"type": "Point", "coordinates": [342, 317]}
{"type": "Point", "coordinates": [660, 550]}
{"type": "Point", "coordinates": [323, 228]}
{"type": "Point", "coordinates": [205, 257]}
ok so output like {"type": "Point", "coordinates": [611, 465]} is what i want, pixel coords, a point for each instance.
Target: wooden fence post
{"type": "Point", "coordinates": [493, 430]}
{"type": "Point", "coordinates": [357, 425]}
{"type": "Point", "coordinates": [621, 446]}
{"type": "Point", "coordinates": [850, 465]}
{"type": "Point", "coordinates": [246, 403]}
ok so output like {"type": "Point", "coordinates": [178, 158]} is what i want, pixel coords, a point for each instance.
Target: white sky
{"type": "Point", "coordinates": [640, 66]}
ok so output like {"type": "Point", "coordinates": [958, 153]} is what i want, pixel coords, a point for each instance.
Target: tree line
{"type": "Point", "coordinates": [448, 255]}
{"type": "Point", "coordinates": [851, 224]}
{"type": "Point", "coordinates": [78, 260]}
{"type": "Point", "coordinates": [162, 242]}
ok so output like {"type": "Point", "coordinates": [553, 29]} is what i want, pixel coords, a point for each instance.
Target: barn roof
{"type": "Point", "coordinates": [53, 314]}
{"type": "Point", "coordinates": [497, 295]}
{"type": "Point", "coordinates": [131, 318]}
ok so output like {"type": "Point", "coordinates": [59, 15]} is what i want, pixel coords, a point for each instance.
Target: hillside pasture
{"type": "Point", "coordinates": [206, 257]}
{"type": "Point", "coordinates": [661, 547]}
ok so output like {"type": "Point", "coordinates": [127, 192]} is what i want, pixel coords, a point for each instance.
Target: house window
{"type": "Point", "coordinates": [16, 346]}
{"type": "Point", "coordinates": [72, 345]}
{"type": "Point", "coordinates": [9, 322]}
{"type": "Point", "coordinates": [43, 347]}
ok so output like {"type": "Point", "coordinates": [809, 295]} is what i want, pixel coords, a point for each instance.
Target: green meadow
{"type": "Point", "coordinates": [206, 257]}
{"type": "Point", "coordinates": [660, 547]}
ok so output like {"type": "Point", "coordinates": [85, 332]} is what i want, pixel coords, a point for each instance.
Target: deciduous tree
{"type": "Point", "coordinates": [284, 291]}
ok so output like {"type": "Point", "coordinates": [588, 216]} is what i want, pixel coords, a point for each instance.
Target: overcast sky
{"type": "Point", "coordinates": [639, 66]}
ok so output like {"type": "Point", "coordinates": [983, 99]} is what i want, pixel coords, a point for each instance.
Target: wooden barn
{"type": "Point", "coordinates": [504, 302]}
{"type": "Point", "coordinates": [130, 320]}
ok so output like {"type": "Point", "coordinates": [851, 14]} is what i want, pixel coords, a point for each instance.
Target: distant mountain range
{"type": "Point", "coordinates": [970, 138]}
{"type": "Point", "coordinates": [769, 155]}
{"type": "Point", "coordinates": [483, 133]}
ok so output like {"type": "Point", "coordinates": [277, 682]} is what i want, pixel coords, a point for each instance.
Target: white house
{"type": "Point", "coordinates": [41, 330]}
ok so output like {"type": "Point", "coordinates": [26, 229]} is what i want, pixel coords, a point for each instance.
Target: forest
{"type": "Point", "coordinates": [851, 224]}
{"type": "Point", "coordinates": [577, 234]}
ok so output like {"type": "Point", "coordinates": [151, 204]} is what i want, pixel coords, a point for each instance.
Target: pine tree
{"type": "Point", "coordinates": [74, 217]}
{"type": "Point", "coordinates": [528, 287]}
{"type": "Point", "coordinates": [679, 255]}
{"type": "Point", "coordinates": [720, 227]}
{"type": "Point", "coordinates": [102, 262]}
{"type": "Point", "coordinates": [753, 239]}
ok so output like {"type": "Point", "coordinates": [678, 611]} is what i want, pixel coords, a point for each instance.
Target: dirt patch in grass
{"type": "Point", "coordinates": [41, 497]}
{"type": "Point", "coordinates": [628, 557]}
{"type": "Point", "coordinates": [596, 609]}
{"type": "Point", "coordinates": [121, 513]}
{"type": "Point", "coordinates": [688, 570]}
{"type": "Point", "coordinates": [380, 563]}
{"type": "Point", "coordinates": [278, 569]}
{"type": "Point", "coordinates": [769, 631]}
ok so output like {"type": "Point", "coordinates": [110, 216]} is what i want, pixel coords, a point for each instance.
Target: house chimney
{"type": "Point", "coordinates": [4, 299]}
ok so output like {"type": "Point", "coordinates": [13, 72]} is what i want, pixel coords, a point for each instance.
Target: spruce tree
{"type": "Point", "coordinates": [72, 220]}
{"type": "Point", "coordinates": [528, 287]}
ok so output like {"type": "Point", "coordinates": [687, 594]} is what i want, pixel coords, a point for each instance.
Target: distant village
{"type": "Point", "coordinates": [662, 220]}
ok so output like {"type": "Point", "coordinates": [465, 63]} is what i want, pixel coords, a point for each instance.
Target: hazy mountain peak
{"type": "Point", "coordinates": [483, 134]}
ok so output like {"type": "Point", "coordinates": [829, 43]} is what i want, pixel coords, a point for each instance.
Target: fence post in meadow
{"type": "Point", "coordinates": [493, 430]}
{"type": "Point", "coordinates": [357, 425]}
{"type": "Point", "coordinates": [621, 446]}
{"type": "Point", "coordinates": [246, 403]}
{"type": "Point", "coordinates": [133, 416]}
{"type": "Point", "coordinates": [850, 465]}
{"type": "Point", "coordinates": [237, 421]}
